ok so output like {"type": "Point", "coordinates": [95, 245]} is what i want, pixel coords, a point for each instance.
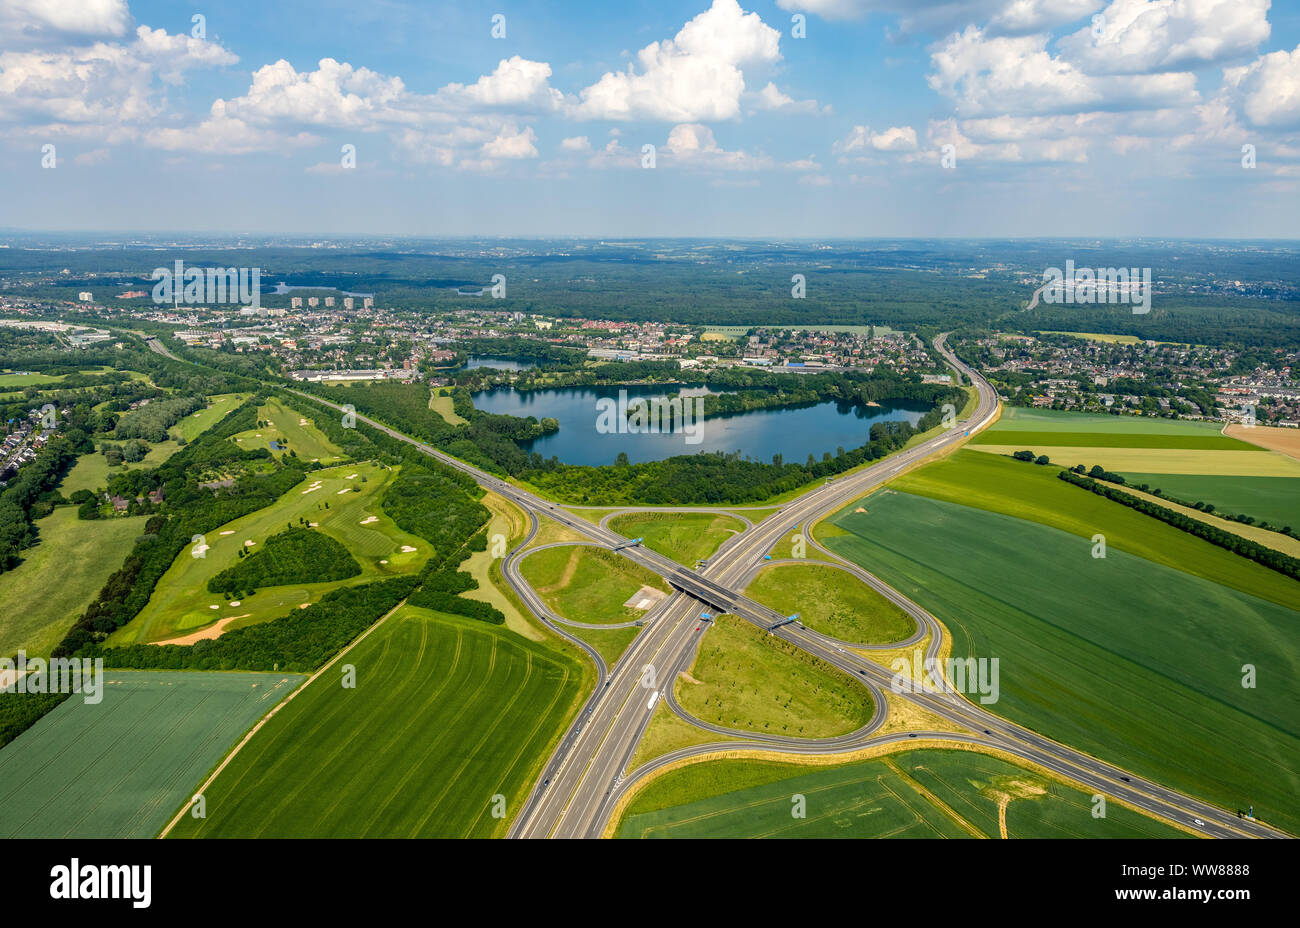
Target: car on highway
{"type": "Point", "coordinates": [1199, 822]}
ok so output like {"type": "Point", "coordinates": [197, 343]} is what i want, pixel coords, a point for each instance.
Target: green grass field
{"type": "Point", "coordinates": [1022, 419]}
{"type": "Point", "coordinates": [686, 537]}
{"type": "Point", "coordinates": [447, 713]}
{"type": "Point", "coordinates": [285, 425]}
{"type": "Point", "coordinates": [1162, 460]}
{"type": "Point", "coordinates": [91, 472]}
{"type": "Point", "coordinates": [1276, 499]}
{"type": "Point", "coordinates": [833, 602]}
{"type": "Point", "coordinates": [1028, 491]}
{"type": "Point", "coordinates": [60, 576]}
{"type": "Point", "coordinates": [1133, 661]}
{"type": "Point", "coordinates": [120, 769]}
{"type": "Point", "coordinates": [441, 403]}
{"type": "Point", "coordinates": [13, 381]}
{"type": "Point", "coordinates": [1101, 337]}
{"type": "Point", "coordinates": [584, 583]}
{"type": "Point", "coordinates": [746, 679]}
{"type": "Point", "coordinates": [1058, 439]}
{"type": "Point", "coordinates": [195, 424]}
{"type": "Point", "coordinates": [181, 603]}
{"type": "Point", "coordinates": [610, 643]}
{"type": "Point", "coordinates": [916, 794]}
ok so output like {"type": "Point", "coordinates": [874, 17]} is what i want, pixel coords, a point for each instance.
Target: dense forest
{"type": "Point", "coordinates": [296, 555]}
{"type": "Point", "coordinates": [909, 284]}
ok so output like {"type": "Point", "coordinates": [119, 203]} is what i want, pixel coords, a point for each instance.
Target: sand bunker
{"type": "Point", "coordinates": [212, 631]}
{"type": "Point", "coordinates": [230, 532]}
{"type": "Point", "coordinates": [407, 549]}
{"type": "Point", "coordinates": [368, 519]}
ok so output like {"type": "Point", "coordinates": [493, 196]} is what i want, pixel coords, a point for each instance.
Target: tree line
{"type": "Point", "coordinates": [1260, 554]}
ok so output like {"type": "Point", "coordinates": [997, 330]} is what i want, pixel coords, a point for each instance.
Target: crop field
{"type": "Point", "coordinates": [1022, 419]}
{"type": "Point", "coordinates": [59, 577]}
{"type": "Point", "coordinates": [1133, 661]}
{"type": "Point", "coordinates": [584, 583]}
{"type": "Point", "coordinates": [746, 679]}
{"type": "Point", "coordinates": [181, 603]}
{"type": "Point", "coordinates": [1276, 499]}
{"type": "Point", "coordinates": [1272, 539]}
{"type": "Point", "coordinates": [1162, 460]}
{"type": "Point", "coordinates": [447, 713]}
{"type": "Point", "coordinates": [1137, 444]}
{"type": "Point", "coordinates": [1059, 439]}
{"type": "Point", "coordinates": [196, 423]}
{"type": "Point", "coordinates": [929, 793]}
{"type": "Point", "coordinates": [121, 768]}
{"type": "Point", "coordinates": [1286, 441]}
{"type": "Point", "coordinates": [833, 602]}
{"type": "Point", "coordinates": [686, 537]}
{"type": "Point", "coordinates": [1027, 491]}
{"type": "Point", "coordinates": [291, 430]}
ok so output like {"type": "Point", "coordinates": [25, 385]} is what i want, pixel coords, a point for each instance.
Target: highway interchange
{"type": "Point", "coordinates": [586, 776]}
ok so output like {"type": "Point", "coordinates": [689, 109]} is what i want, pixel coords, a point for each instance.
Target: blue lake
{"type": "Point", "coordinates": [792, 433]}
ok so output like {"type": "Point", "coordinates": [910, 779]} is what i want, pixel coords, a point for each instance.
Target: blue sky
{"type": "Point", "coordinates": [925, 118]}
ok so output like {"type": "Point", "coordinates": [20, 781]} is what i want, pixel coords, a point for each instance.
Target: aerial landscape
{"type": "Point", "coordinates": [715, 420]}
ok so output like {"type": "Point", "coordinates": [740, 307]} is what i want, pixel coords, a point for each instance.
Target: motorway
{"type": "Point", "coordinates": [587, 773]}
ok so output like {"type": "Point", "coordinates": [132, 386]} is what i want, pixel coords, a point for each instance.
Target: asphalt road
{"type": "Point", "coordinates": [585, 776]}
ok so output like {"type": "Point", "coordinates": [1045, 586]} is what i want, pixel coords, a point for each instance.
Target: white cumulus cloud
{"type": "Point", "coordinates": [697, 75]}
